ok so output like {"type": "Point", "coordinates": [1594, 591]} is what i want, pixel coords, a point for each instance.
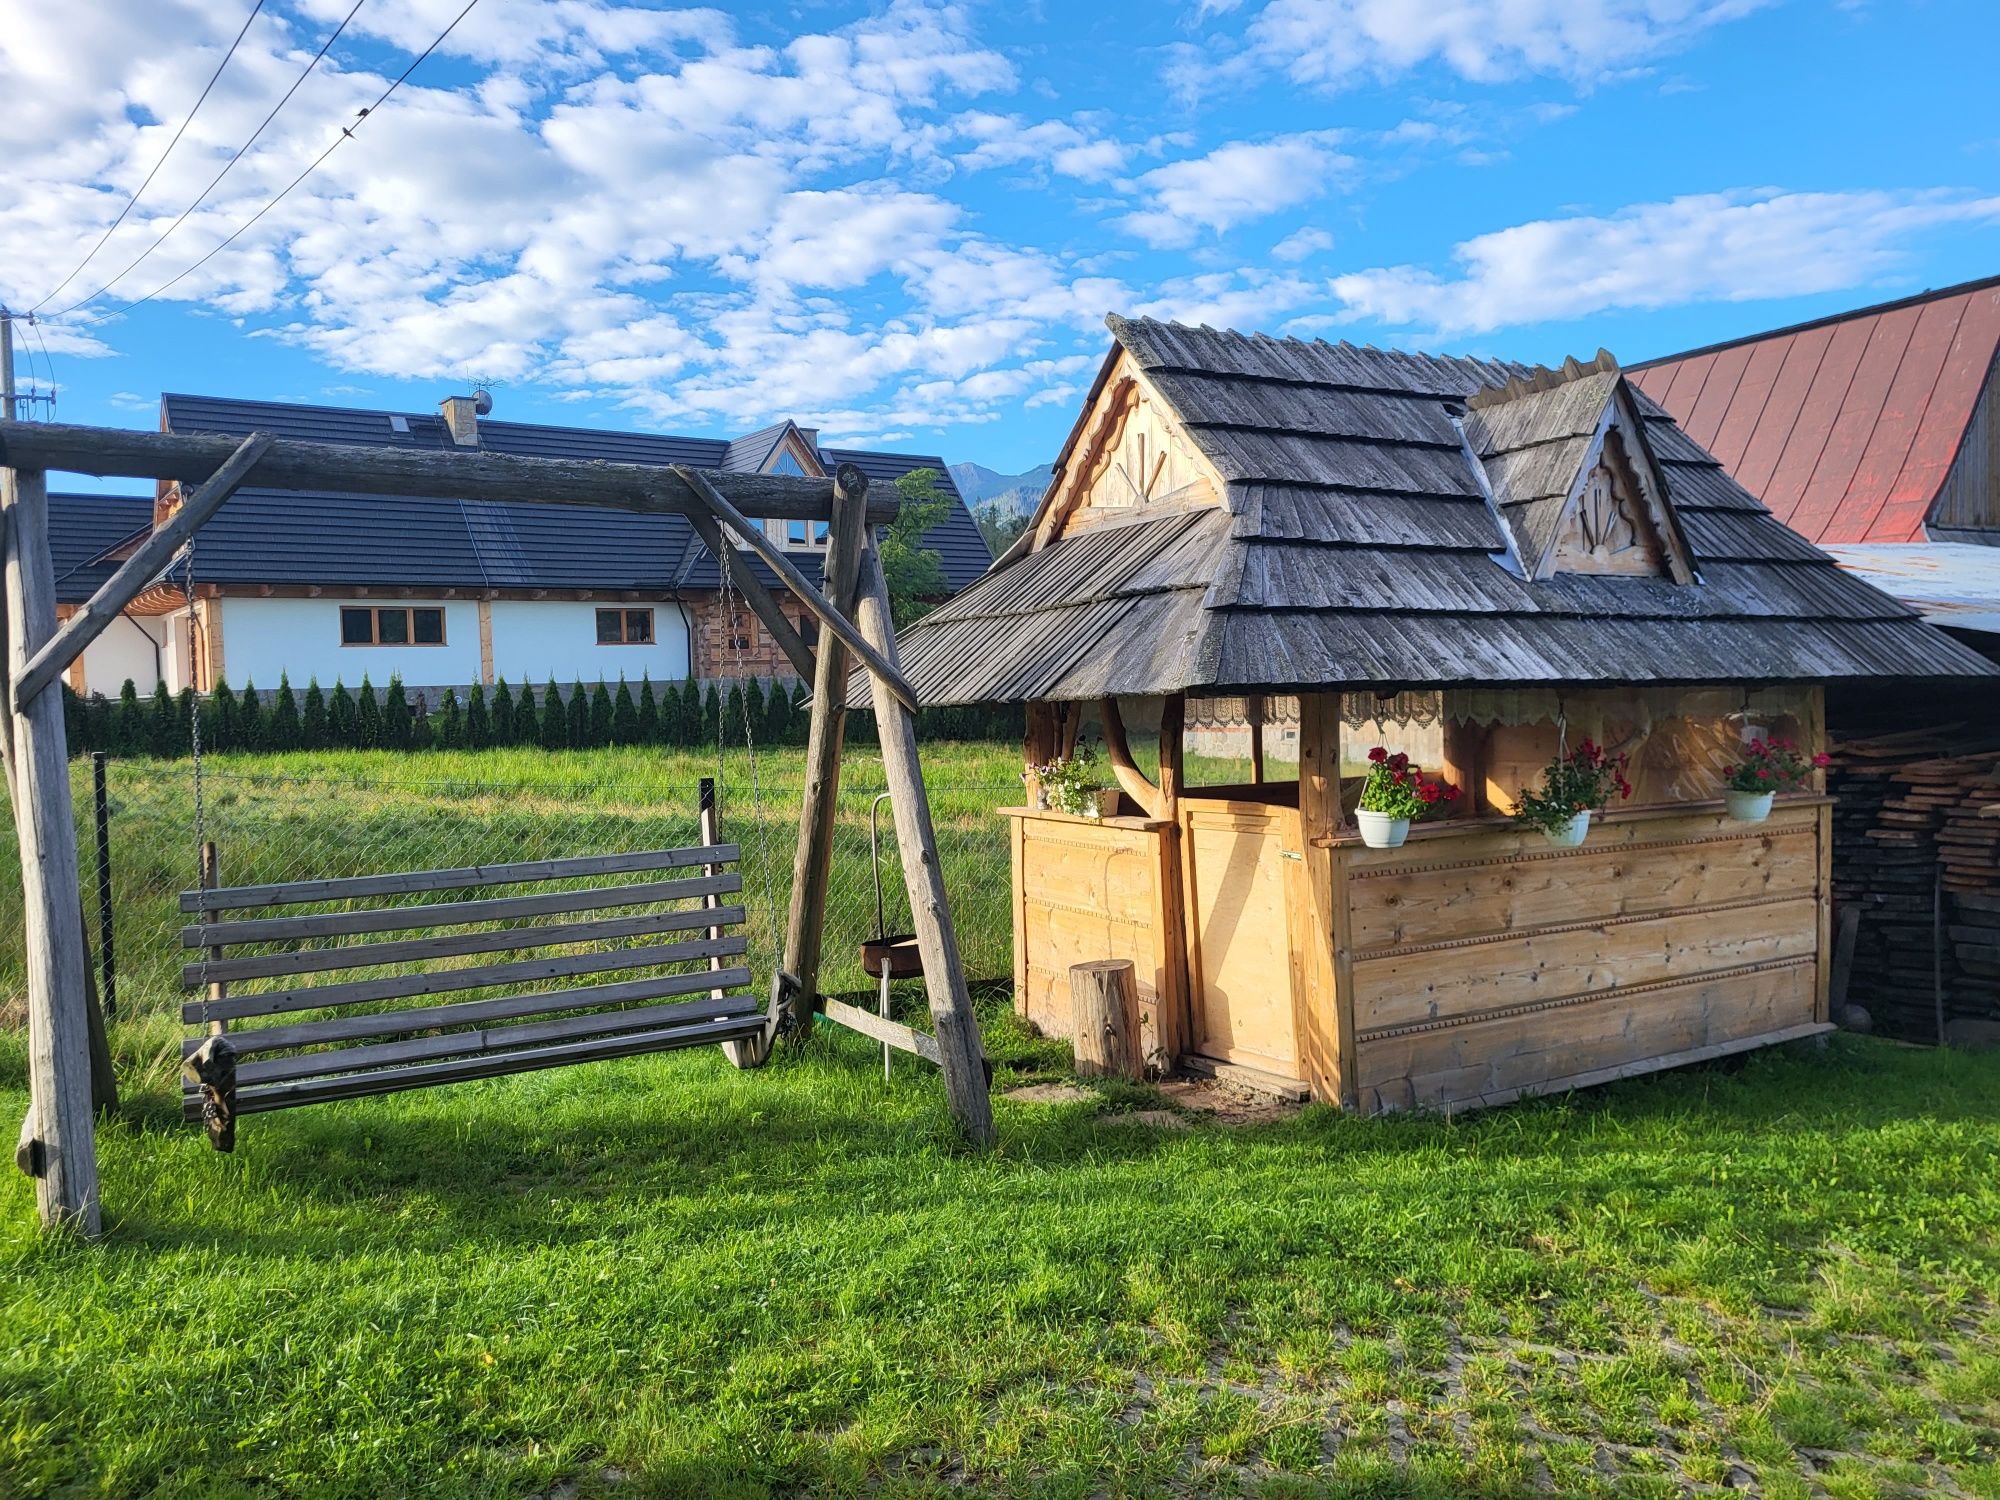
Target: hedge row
{"type": "Point", "coordinates": [685, 714]}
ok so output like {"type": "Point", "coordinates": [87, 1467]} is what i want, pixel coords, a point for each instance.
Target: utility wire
{"type": "Point", "coordinates": [346, 134]}
{"type": "Point", "coordinates": [132, 202]}
{"type": "Point", "coordinates": [227, 166]}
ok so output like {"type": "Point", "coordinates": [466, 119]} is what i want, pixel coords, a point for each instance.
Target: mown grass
{"type": "Point", "coordinates": [662, 1276]}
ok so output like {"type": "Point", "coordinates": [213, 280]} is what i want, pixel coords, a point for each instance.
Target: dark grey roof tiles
{"type": "Point", "coordinates": [82, 528]}
{"type": "Point", "coordinates": [273, 536]}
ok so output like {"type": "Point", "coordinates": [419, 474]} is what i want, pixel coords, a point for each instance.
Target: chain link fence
{"type": "Point", "coordinates": [279, 819]}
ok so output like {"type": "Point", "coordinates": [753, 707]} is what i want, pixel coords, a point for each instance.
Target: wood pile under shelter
{"type": "Point", "coordinates": [1916, 857]}
{"type": "Point", "coordinates": [1471, 561]}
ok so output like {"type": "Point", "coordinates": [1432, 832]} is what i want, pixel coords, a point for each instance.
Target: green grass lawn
{"type": "Point", "coordinates": [662, 1276]}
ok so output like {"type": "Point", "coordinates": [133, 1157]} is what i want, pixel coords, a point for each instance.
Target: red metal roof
{"type": "Point", "coordinates": [1847, 426]}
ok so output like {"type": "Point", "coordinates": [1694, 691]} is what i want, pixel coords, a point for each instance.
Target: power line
{"type": "Point", "coordinates": [227, 166]}
{"type": "Point", "coordinates": [132, 201]}
{"type": "Point", "coordinates": [346, 134]}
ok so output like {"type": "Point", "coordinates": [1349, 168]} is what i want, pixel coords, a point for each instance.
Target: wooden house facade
{"type": "Point", "coordinates": [1257, 559]}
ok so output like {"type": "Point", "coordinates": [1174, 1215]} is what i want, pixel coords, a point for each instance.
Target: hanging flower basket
{"type": "Point", "coordinates": [1573, 787]}
{"type": "Point", "coordinates": [1769, 767]}
{"type": "Point", "coordinates": [1396, 792]}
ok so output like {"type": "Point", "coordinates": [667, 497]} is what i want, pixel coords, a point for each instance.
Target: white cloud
{"type": "Point", "coordinates": [1232, 185]}
{"type": "Point", "coordinates": [1302, 244]}
{"type": "Point", "coordinates": [1702, 248]}
{"type": "Point", "coordinates": [1331, 43]}
{"type": "Point", "coordinates": [1057, 145]}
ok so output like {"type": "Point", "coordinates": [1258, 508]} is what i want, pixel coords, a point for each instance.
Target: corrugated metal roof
{"type": "Point", "coordinates": [82, 528]}
{"type": "Point", "coordinates": [1949, 583]}
{"type": "Point", "coordinates": [1846, 427]}
{"type": "Point", "coordinates": [282, 536]}
{"type": "Point", "coordinates": [1359, 552]}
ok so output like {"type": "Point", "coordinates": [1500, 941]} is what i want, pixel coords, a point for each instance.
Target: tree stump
{"type": "Point", "coordinates": [1104, 1019]}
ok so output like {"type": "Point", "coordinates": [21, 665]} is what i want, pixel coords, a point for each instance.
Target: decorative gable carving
{"type": "Point", "coordinates": [1616, 519]}
{"type": "Point", "coordinates": [1129, 452]}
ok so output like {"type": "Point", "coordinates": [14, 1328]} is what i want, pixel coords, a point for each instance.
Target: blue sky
{"type": "Point", "coordinates": [905, 223]}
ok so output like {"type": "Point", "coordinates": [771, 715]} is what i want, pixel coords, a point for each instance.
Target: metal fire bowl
{"type": "Point", "coordinates": [897, 953]}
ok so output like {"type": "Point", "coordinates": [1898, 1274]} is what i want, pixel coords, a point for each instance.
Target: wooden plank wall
{"type": "Point", "coordinates": [1086, 890]}
{"type": "Point", "coordinates": [1489, 966]}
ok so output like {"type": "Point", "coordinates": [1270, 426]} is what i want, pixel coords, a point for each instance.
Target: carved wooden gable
{"type": "Point", "coordinates": [1130, 452]}
{"type": "Point", "coordinates": [1617, 520]}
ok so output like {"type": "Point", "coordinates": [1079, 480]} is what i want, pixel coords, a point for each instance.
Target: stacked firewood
{"type": "Point", "coordinates": [1916, 851]}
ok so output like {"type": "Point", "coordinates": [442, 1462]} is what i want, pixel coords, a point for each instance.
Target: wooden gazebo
{"type": "Point", "coordinates": [1264, 556]}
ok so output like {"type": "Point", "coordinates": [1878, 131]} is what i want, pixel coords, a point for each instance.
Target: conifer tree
{"type": "Point", "coordinates": [777, 727]}
{"type": "Point", "coordinates": [450, 723]}
{"type": "Point", "coordinates": [343, 719]}
{"type": "Point", "coordinates": [282, 733]}
{"type": "Point", "coordinates": [161, 722]}
{"type": "Point", "coordinates": [753, 709]}
{"type": "Point", "coordinates": [601, 715]}
{"type": "Point", "coordinates": [252, 717]}
{"type": "Point", "coordinates": [578, 725]}
{"type": "Point", "coordinates": [184, 712]}
{"type": "Point", "coordinates": [711, 716]}
{"type": "Point", "coordinates": [396, 715]}
{"type": "Point", "coordinates": [527, 720]}
{"type": "Point", "coordinates": [423, 725]}
{"type": "Point", "coordinates": [624, 716]}
{"type": "Point", "coordinates": [648, 712]}
{"type": "Point", "coordinates": [220, 727]}
{"type": "Point", "coordinates": [732, 715]}
{"type": "Point", "coordinates": [478, 723]}
{"type": "Point", "coordinates": [503, 713]}
{"type": "Point", "coordinates": [128, 727]}
{"type": "Point", "coordinates": [312, 722]}
{"type": "Point", "coordinates": [555, 722]}
{"type": "Point", "coordinates": [367, 717]}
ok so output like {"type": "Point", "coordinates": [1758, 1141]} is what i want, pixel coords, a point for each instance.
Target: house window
{"type": "Point", "coordinates": [806, 533]}
{"type": "Point", "coordinates": [624, 627]}
{"type": "Point", "coordinates": [742, 631]}
{"type": "Point", "coordinates": [368, 625]}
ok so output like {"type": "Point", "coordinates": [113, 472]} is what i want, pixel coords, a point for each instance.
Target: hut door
{"type": "Point", "coordinates": [1239, 950]}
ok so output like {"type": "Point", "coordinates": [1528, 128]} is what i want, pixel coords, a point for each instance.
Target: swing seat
{"type": "Point", "coordinates": [266, 968]}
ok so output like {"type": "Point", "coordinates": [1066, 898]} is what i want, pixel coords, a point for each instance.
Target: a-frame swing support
{"type": "Point", "coordinates": [62, 1148]}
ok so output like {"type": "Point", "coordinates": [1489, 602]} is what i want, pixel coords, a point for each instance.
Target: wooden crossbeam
{"type": "Point", "coordinates": [890, 1033]}
{"type": "Point", "coordinates": [137, 573]}
{"type": "Point", "coordinates": [443, 473]}
{"type": "Point", "coordinates": [774, 558]}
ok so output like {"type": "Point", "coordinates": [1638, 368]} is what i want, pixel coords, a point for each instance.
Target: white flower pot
{"type": "Point", "coordinates": [1748, 807]}
{"type": "Point", "coordinates": [1380, 831]}
{"type": "Point", "coordinates": [1570, 834]}
{"type": "Point", "coordinates": [1101, 804]}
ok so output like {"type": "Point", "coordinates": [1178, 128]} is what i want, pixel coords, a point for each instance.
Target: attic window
{"type": "Point", "coordinates": [400, 424]}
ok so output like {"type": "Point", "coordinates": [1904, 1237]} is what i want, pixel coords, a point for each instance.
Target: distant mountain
{"type": "Point", "coordinates": [1018, 494]}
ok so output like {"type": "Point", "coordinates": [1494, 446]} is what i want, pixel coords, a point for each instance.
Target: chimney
{"type": "Point", "coordinates": [462, 414]}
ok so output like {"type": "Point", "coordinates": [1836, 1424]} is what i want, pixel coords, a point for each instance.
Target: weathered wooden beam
{"type": "Point", "coordinates": [759, 598]}
{"type": "Point", "coordinates": [138, 571]}
{"type": "Point", "coordinates": [66, 1190]}
{"type": "Point", "coordinates": [961, 1054]}
{"type": "Point", "coordinates": [812, 863]}
{"type": "Point", "coordinates": [445, 473]}
{"type": "Point", "coordinates": [1118, 751]}
{"type": "Point", "coordinates": [888, 1033]}
{"type": "Point", "coordinates": [774, 558]}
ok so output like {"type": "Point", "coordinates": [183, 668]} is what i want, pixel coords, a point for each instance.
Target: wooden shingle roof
{"type": "Point", "coordinates": [1363, 540]}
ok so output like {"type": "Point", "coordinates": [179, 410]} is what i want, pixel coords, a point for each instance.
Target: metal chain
{"type": "Point", "coordinates": [756, 785]}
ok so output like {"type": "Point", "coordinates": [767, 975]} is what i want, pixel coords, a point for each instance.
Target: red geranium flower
{"type": "Point", "coordinates": [1378, 755]}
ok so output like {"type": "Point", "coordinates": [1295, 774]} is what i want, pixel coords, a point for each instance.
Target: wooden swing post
{"type": "Point", "coordinates": [63, 1146]}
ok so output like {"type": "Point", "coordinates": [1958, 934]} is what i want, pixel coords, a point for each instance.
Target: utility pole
{"type": "Point", "coordinates": [7, 399]}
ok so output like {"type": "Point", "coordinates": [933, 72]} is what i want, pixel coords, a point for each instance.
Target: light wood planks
{"type": "Point", "coordinates": [1239, 967]}
{"type": "Point", "coordinates": [892, 1033]}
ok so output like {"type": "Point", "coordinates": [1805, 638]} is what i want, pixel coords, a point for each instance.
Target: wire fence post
{"type": "Point", "coordinates": [106, 952]}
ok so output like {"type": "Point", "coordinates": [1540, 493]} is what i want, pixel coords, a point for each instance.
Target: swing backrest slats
{"type": "Point", "coordinates": [675, 951]}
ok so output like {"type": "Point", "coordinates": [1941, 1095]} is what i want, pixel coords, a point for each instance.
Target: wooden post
{"type": "Point", "coordinates": [66, 1190]}
{"type": "Point", "coordinates": [1104, 1019]}
{"type": "Point", "coordinates": [961, 1054]}
{"type": "Point", "coordinates": [211, 879]}
{"type": "Point", "coordinates": [1253, 714]}
{"type": "Point", "coordinates": [812, 865]}
{"type": "Point", "coordinates": [1323, 1008]}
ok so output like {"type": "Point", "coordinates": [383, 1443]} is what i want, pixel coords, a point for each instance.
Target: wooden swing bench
{"type": "Point", "coordinates": [360, 1043]}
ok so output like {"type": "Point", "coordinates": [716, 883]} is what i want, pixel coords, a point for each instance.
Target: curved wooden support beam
{"type": "Point", "coordinates": [1118, 750]}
